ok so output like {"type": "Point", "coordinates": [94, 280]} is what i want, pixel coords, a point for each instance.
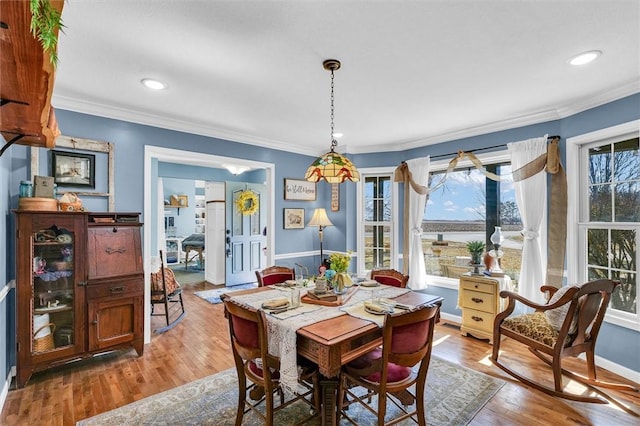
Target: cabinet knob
{"type": "Point", "coordinates": [476, 300]}
{"type": "Point", "coordinates": [82, 283]}
{"type": "Point", "coordinates": [95, 322]}
{"type": "Point", "coordinates": [477, 319]}
{"type": "Point", "coordinates": [118, 289]}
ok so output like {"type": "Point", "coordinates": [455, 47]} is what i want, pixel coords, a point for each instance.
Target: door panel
{"type": "Point", "coordinates": [246, 238]}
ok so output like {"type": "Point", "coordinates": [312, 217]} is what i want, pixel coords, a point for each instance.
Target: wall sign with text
{"type": "Point", "coordinates": [297, 189]}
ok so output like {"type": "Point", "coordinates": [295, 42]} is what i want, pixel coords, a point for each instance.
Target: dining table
{"type": "Point", "coordinates": [330, 334]}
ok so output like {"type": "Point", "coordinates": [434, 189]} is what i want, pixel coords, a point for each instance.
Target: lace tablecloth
{"type": "Point", "coordinates": [282, 327]}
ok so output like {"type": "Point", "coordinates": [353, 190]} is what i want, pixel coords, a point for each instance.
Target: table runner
{"type": "Point", "coordinates": [282, 327]}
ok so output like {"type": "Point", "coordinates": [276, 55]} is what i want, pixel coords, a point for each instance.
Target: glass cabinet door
{"type": "Point", "coordinates": [54, 298]}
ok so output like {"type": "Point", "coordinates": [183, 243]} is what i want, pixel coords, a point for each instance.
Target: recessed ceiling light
{"type": "Point", "coordinates": [585, 58]}
{"type": "Point", "coordinates": [153, 84]}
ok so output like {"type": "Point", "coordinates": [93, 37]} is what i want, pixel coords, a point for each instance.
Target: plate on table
{"type": "Point", "coordinates": [369, 283]}
{"type": "Point", "coordinates": [378, 311]}
{"type": "Point", "coordinates": [275, 304]}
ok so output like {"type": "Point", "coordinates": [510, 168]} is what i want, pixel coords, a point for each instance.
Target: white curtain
{"type": "Point", "coordinates": [531, 198]}
{"type": "Point", "coordinates": [419, 168]}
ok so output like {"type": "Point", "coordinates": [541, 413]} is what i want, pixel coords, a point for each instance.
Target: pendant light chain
{"type": "Point", "coordinates": [334, 143]}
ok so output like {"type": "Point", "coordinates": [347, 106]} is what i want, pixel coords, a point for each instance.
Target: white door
{"type": "Point", "coordinates": [215, 242]}
{"type": "Point", "coordinates": [245, 235]}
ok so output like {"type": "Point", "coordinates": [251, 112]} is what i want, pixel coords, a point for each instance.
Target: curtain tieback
{"type": "Point", "coordinates": [530, 235]}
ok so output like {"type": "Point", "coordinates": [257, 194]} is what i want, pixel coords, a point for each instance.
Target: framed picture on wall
{"type": "Point", "coordinates": [73, 169]}
{"type": "Point", "coordinates": [293, 218]}
{"type": "Point", "coordinates": [298, 189]}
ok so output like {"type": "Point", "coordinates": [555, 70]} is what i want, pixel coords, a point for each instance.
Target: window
{"type": "Point", "coordinates": [465, 208]}
{"type": "Point", "coordinates": [377, 241]}
{"type": "Point", "coordinates": [605, 178]}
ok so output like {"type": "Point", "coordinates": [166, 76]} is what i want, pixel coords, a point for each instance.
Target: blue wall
{"type": "Point", "coordinates": [618, 345]}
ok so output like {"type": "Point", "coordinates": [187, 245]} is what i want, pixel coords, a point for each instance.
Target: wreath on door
{"type": "Point", "coordinates": [247, 202]}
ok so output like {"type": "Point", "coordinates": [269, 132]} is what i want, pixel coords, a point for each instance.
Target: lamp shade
{"type": "Point", "coordinates": [320, 218]}
{"type": "Point", "coordinates": [332, 167]}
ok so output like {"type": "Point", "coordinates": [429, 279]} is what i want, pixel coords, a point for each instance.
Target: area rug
{"type": "Point", "coordinates": [188, 276]}
{"type": "Point", "coordinates": [454, 395]}
{"type": "Point", "coordinates": [213, 296]}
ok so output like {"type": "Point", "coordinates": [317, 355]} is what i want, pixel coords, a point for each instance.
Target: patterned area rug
{"type": "Point", "coordinates": [213, 296]}
{"type": "Point", "coordinates": [453, 397]}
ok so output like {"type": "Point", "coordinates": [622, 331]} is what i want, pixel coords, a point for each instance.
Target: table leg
{"type": "Point", "coordinates": [329, 390]}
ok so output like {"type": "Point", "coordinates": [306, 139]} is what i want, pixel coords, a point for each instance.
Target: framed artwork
{"type": "Point", "coordinates": [299, 189]}
{"type": "Point", "coordinates": [293, 218]}
{"type": "Point", "coordinates": [335, 197]}
{"type": "Point", "coordinates": [73, 169]}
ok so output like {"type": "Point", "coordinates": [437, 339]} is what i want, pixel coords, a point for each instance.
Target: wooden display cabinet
{"type": "Point", "coordinates": [79, 287]}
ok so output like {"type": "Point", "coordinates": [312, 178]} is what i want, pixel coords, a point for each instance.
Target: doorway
{"type": "Point", "coordinates": [154, 154]}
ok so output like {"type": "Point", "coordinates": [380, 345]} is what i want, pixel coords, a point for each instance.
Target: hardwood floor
{"type": "Point", "coordinates": [199, 346]}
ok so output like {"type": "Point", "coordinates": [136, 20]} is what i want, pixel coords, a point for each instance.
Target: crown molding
{"type": "Point", "coordinates": [563, 111]}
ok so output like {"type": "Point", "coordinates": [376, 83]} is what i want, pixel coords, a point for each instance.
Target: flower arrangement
{"type": "Point", "coordinates": [247, 203]}
{"type": "Point", "coordinates": [340, 262]}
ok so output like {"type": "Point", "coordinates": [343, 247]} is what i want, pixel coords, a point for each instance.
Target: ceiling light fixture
{"type": "Point", "coordinates": [236, 170]}
{"type": "Point", "coordinates": [153, 84]}
{"type": "Point", "coordinates": [585, 58]}
{"type": "Point", "coordinates": [332, 167]}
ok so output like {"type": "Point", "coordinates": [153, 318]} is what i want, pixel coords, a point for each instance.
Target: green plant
{"type": "Point", "coordinates": [475, 247]}
{"type": "Point", "coordinates": [45, 23]}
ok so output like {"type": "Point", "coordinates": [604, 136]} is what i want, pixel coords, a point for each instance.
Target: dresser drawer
{"type": "Point", "coordinates": [116, 289]}
{"type": "Point", "coordinates": [484, 287]}
{"type": "Point", "coordinates": [113, 251]}
{"type": "Point", "coordinates": [480, 301]}
{"type": "Point", "coordinates": [482, 321]}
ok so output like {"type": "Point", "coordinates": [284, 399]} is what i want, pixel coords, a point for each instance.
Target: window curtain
{"type": "Point", "coordinates": [531, 198]}
{"type": "Point", "coordinates": [419, 168]}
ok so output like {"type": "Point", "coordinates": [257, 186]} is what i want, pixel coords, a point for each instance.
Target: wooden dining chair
{"type": "Point", "coordinates": [166, 292]}
{"type": "Point", "coordinates": [275, 275]}
{"type": "Point", "coordinates": [567, 325]}
{"type": "Point", "coordinates": [249, 344]}
{"type": "Point", "coordinates": [390, 277]}
{"type": "Point", "coordinates": [388, 370]}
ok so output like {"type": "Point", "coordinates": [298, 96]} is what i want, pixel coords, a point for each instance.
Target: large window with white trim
{"type": "Point", "coordinates": [610, 217]}
{"type": "Point", "coordinates": [603, 169]}
{"type": "Point", "coordinates": [376, 222]}
{"type": "Point", "coordinates": [467, 207]}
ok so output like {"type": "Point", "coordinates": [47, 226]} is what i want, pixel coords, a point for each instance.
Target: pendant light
{"type": "Point", "coordinates": [332, 167]}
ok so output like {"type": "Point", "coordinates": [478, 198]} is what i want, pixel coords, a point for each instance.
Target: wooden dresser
{"type": "Point", "coordinates": [480, 301]}
{"type": "Point", "coordinates": [79, 287]}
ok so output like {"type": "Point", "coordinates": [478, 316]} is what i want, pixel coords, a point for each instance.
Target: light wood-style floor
{"type": "Point", "coordinates": [199, 346]}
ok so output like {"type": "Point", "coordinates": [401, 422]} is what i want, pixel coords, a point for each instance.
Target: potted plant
{"type": "Point", "coordinates": [476, 248]}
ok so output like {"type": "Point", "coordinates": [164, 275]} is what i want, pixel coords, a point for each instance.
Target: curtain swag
{"type": "Point", "coordinates": [550, 162]}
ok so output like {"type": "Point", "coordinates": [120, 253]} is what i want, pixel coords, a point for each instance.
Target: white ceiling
{"type": "Point", "coordinates": [413, 72]}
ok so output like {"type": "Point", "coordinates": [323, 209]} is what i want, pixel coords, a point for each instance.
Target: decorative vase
{"type": "Point", "coordinates": [342, 282]}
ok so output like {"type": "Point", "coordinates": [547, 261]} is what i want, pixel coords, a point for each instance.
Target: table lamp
{"type": "Point", "coordinates": [320, 220]}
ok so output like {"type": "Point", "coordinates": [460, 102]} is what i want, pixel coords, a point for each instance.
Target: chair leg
{"type": "Point", "coordinates": [242, 395]}
{"type": "Point", "coordinates": [382, 407]}
{"type": "Point", "coordinates": [268, 394]}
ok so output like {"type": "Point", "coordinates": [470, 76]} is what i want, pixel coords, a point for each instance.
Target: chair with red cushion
{"type": "Point", "coordinates": [249, 344]}
{"type": "Point", "coordinates": [390, 277]}
{"type": "Point", "coordinates": [274, 275]}
{"type": "Point", "coordinates": [388, 370]}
